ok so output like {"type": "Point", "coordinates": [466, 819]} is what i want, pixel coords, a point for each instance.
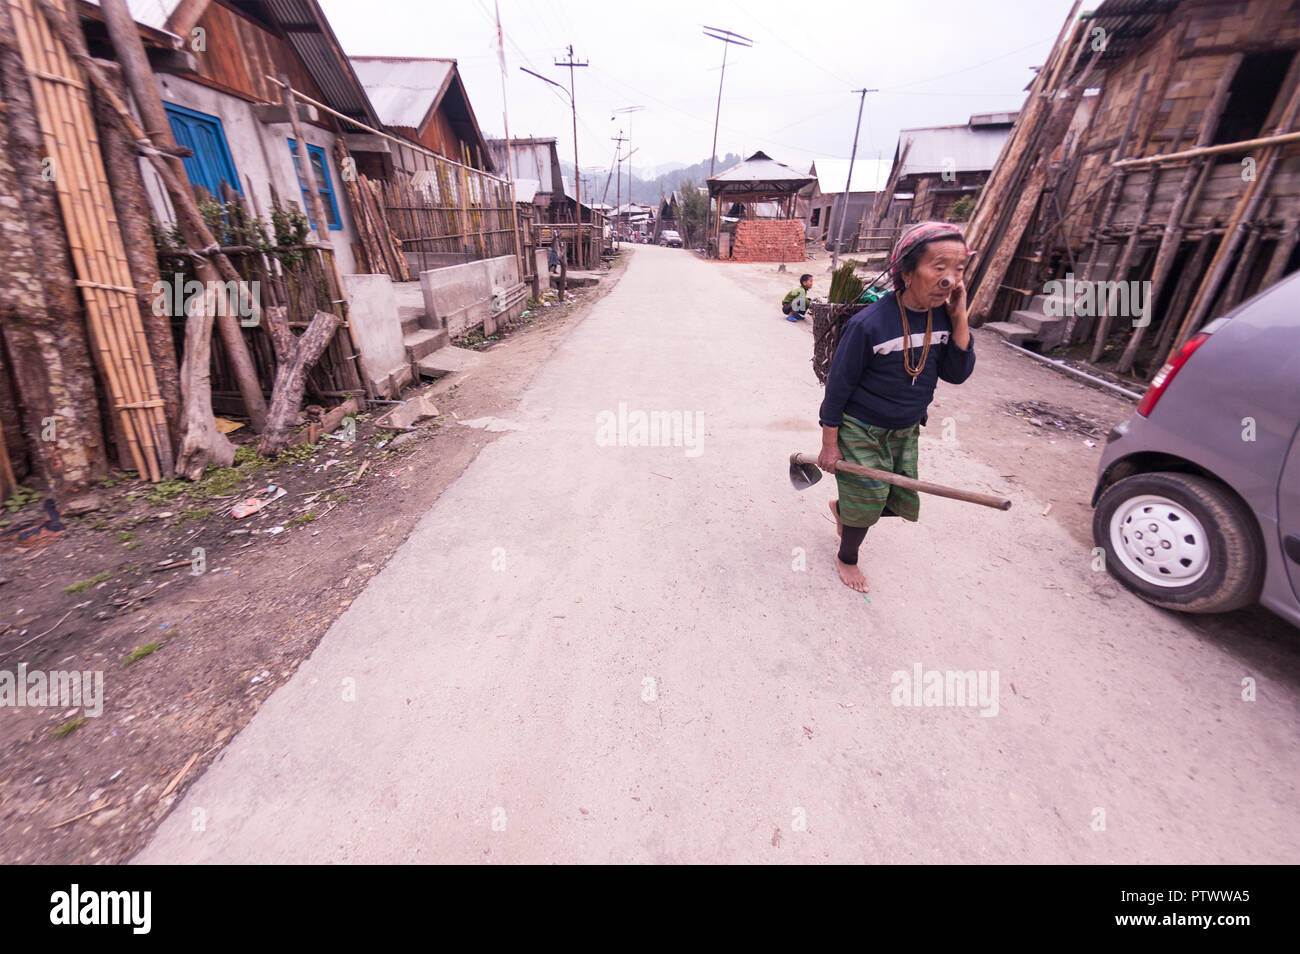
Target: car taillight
{"type": "Point", "coordinates": [1166, 374]}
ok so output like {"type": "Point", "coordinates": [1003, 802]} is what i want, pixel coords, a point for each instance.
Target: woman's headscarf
{"type": "Point", "coordinates": [915, 235]}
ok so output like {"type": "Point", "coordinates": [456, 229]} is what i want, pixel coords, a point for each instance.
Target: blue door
{"type": "Point", "coordinates": [211, 164]}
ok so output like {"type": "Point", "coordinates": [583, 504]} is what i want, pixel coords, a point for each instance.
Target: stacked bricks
{"type": "Point", "coordinates": [769, 240]}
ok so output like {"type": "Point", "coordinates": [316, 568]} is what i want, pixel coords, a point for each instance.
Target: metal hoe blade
{"type": "Point", "coordinates": [803, 475]}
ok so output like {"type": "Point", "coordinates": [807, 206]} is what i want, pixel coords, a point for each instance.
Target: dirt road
{"type": "Point", "coordinates": [593, 651]}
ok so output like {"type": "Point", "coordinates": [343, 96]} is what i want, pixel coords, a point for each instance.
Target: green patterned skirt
{"type": "Point", "coordinates": [862, 500]}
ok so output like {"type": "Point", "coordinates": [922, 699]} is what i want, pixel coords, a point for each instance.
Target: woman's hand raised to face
{"type": "Point", "coordinates": [957, 302]}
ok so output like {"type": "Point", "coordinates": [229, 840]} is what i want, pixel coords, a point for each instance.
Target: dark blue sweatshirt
{"type": "Point", "coordinates": [867, 379]}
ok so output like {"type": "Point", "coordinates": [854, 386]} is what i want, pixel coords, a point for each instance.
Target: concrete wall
{"type": "Point", "coordinates": [459, 297]}
{"type": "Point", "coordinates": [262, 159]}
{"type": "Point", "coordinates": [377, 331]}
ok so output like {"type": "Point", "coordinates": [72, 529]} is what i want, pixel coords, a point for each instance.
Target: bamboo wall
{"type": "Point", "coordinates": [449, 212]}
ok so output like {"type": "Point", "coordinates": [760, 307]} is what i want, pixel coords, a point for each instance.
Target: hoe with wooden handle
{"type": "Point", "coordinates": [804, 472]}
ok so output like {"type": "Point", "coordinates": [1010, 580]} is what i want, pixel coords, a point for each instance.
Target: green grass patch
{"type": "Point", "coordinates": [198, 513]}
{"type": "Point", "coordinates": [69, 727]}
{"type": "Point", "coordinates": [21, 498]}
{"type": "Point", "coordinates": [126, 536]}
{"type": "Point", "coordinates": [166, 490]}
{"type": "Point", "coordinates": [135, 655]}
{"type": "Point", "coordinates": [296, 453]}
{"type": "Point", "coordinates": [299, 520]}
{"type": "Point", "coordinates": [82, 585]}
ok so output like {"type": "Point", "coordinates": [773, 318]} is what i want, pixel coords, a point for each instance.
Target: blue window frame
{"type": "Point", "coordinates": [203, 135]}
{"type": "Point", "coordinates": [324, 184]}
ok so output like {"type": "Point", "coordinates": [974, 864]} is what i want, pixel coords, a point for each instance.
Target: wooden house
{"type": "Point", "coordinates": [422, 100]}
{"type": "Point", "coordinates": [1158, 145]}
{"type": "Point", "coordinates": [827, 202]}
{"type": "Point", "coordinates": [933, 167]}
{"type": "Point", "coordinates": [536, 172]}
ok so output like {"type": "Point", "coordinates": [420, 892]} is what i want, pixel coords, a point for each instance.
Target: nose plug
{"type": "Point", "coordinates": [944, 282]}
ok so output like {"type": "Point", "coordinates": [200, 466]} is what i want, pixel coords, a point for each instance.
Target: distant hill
{"type": "Point", "coordinates": [648, 190]}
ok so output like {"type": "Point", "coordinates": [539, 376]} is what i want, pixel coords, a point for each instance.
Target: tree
{"type": "Point", "coordinates": [694, 207]}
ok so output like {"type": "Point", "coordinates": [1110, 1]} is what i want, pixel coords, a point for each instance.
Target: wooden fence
{"type": "Point", "coordinates": [448, 213]}
{"type": "Point", "coordinates": [303, 279]}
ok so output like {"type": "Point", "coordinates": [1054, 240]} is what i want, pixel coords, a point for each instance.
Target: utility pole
{"type": "Point", "coordinates": [510, 154]}
{"type": "Point", "coordinates": [577, 187]}
{"type": "Point", "coordinates": [728, 38]}
{"type": "Point", "coordinates": [618, 189]}
{"type": "Point", "coordinates": [844, 202]}
{"type": "Point", "coordinates": [629, 110]}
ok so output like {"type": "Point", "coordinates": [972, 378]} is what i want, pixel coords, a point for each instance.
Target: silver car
{"type": "Point", "coordinates": [1198, 495]}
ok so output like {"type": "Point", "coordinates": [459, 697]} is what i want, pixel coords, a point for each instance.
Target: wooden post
{"type": "Point", "coordinates": [1244, 212]}
{"type": "Point", "coordinates": [139, 78]}
{"type": "Point", "coordinates": [307, 173]}
{"type": "Point", "coordinates": [1282, 253]}
{"type": "Point", "coordinates": [121, 162]}
{"type": "Point", "coordinates": [294, 357]}
{"type": "Point", "coordinates": [1196, 266]}
{"type": "Point", "coordinates": [1173, 233]}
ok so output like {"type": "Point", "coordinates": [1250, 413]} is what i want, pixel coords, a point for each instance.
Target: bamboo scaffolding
{"type": "Point", "coordinates": [66, 120]}
{"type": "Point", "coordinates": [1243, 214]}
{"type": "Point", "coordinates": [1174, 229]}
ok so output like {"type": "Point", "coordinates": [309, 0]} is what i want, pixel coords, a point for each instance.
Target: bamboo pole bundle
{"type": "Point", "coordinates": [66, 119]}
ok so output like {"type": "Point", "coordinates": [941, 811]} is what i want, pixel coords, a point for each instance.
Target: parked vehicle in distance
{"type": "Point", "coordinates": [670, 239]}
{"type": "Point", "coordinates": [1198, 493]}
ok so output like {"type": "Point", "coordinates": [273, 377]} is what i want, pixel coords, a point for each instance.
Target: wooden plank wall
{"type": "Point", "coordinates": [1214, 32]}
{"type": "Point", "coordinates": [241, 54]}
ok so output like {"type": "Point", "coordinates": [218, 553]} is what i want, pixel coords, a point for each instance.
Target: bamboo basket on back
{"type": "Point", "coordinates": [829, 316]}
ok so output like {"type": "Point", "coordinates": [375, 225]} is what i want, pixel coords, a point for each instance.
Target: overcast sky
{"type": "Point", "coordinates": [934, 62]}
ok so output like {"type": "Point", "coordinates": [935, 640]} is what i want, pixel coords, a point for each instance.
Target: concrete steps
{"type": "Point", "coordinates": [577, 279]}
{"type": "Point", "coordinates": [424, 342]}
{"type": "Point", "coordinates": [1048, 331]}
{"type": "Point", "coordinates": [411, 317]}
{"type": "Point", "coordinates": [1016, 334]}
{"type": "Point", "coordinates": [447, 360]}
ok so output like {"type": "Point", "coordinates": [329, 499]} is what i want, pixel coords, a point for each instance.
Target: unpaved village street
{"type": "Point", "coordinates": [589, 653]}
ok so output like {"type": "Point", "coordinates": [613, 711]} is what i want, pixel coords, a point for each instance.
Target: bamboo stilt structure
{"type": "Point", "coordinates": [1244, 212]}
{"type": "Point", "coordinates": [1282, 253]}
{"type": "Point", "coordinates": [1120, 271]}
{"type": "Point", "coordinates": [1179, 302]}
{"type": "Point", "coordinates": [1172, 238]}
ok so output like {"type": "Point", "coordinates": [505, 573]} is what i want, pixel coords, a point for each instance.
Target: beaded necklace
{"type": "Point", "coordinates": [915, 370]}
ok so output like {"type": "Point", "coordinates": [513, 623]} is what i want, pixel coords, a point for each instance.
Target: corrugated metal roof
{"type": "Point", "coordinates": [323, 56]}
{"type": "Point", "coordinates": [532, 159]}
{"type": "Point", "coordinates": [403, 89]}
{"type": "Point", "coordinates": [869, 175]}
{"type": "Point", "coordinates": [1126, 22]}
{"type": "Point", "coordinates": [526, 189]}
{"type": "Point", "coordinates": [934, 147]}
{"type": "Point", "coordinates": [758, 173]}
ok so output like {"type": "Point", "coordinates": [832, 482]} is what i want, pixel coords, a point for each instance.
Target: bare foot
{"type": "Point", "coordinates": [835, 509]}
{"type": "Point", "coordinates": [851, 576]}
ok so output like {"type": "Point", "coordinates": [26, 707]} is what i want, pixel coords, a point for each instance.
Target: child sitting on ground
{"type": "Point", "coordinates": [795, 305]}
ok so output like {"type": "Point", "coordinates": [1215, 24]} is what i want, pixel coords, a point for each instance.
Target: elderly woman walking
{"type": "Point", "coordinates": [882, 378]}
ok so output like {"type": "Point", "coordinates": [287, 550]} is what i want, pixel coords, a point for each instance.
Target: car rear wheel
{"type": "Point", "coordinates": [1180, 541]}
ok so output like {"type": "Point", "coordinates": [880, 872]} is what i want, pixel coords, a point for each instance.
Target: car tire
{"type": "Point", "coordinates": [1199, 549]}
